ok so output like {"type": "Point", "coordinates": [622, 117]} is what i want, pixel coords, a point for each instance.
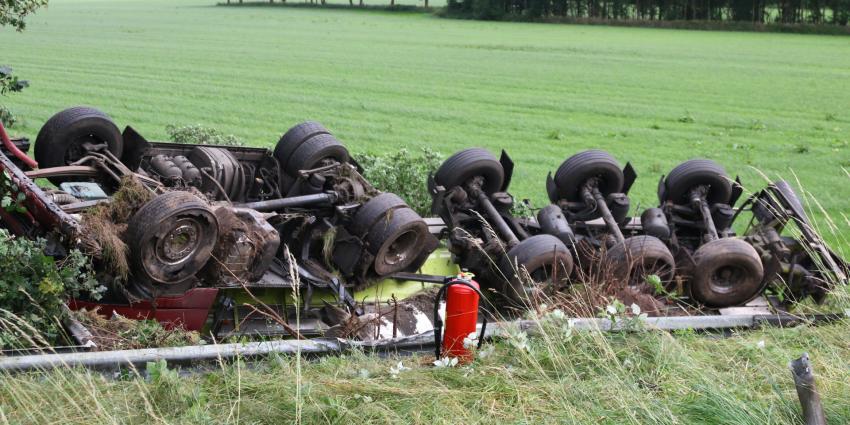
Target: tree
{"type": "Point", "coordinates": [13, 12]}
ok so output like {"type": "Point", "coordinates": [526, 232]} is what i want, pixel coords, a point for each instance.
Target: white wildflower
{"type": "Point", "coordinates": [611, 309]}
{"type": "Point", "coordinates": [635, 309]}
{"type": "Point", "coordinates": [446, 362]}
{"type": "Point", "coordinates": [760, 344]}
{"type": "Point", "coordinates": [471, 341]}
{"type": "Point", "coordinates": [398, 368]}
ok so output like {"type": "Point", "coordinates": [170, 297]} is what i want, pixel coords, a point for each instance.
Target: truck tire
{"type": "Point", "coordinates": [60, 140]}
{"type": "Point", "coordinates": [469, 163]}
{"type": "Point", "coordinates": [294, 137]}
{"type": "Point", "coordinates": [396, 240]}
{"type": "Point", "coordinates": [538, 256]}
{"type": "Point", "coordinates": [375, 208]}
{"type": "Point", "coordinates": [640, 256]}
{"type": "Point", "coordinates": [727, 272]}
{"type": "Point", "coordinates": [697, 172]}
{"type": "Point", "coordinates": [170, 239]}
{"type": "Point", "coordinates": [313, 151]}
{"type": "Point", "coordinates": [577, 169]}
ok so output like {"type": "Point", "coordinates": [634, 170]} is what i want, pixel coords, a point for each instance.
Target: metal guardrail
{"type": "Point", "coordinates": [415, 343]}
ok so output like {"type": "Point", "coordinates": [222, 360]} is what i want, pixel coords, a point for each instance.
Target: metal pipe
{"type": "Point", "coordinates": [7, 142]}
{"type": "Point", "coordinates": [613, 227]}
{"type": "Point", "coordinates": [501, 225]}
{"type": "Point", "coordinates": [291, 202]}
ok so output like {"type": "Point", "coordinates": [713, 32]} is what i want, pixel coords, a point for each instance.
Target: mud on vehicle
{"type": "Point", "coordinates": [298, 216]}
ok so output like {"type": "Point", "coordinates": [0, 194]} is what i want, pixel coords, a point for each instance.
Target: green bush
{"type": "Point", "coordinates": [201, 135]}
{"type": "Point", "coordinates": [9, 83]}
{"type": "Point", "coordinates": [34, 287]}
{"type": "Point", "coordinates": [7, 117]}
{"type": "Point", "coordinates": [404, 174]}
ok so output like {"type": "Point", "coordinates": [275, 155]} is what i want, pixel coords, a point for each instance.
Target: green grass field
{"type": "Point", "coordinates": [759, 103]}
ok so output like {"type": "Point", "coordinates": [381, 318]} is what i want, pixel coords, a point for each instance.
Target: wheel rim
{"type": "Point", "coordinates": [399, 252]}
{"type": "Point", "coordinates": [179, 243]}
{"type": "Point", "coordinates": [725, 279]}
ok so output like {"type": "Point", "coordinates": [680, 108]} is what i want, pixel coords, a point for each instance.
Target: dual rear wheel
{"type": "Point", "coordinates": [307, 146]}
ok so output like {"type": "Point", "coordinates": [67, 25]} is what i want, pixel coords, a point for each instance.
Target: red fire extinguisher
{"type": "Point", "coordinates": [462, 295]}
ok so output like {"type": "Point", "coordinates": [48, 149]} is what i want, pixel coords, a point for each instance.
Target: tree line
{"type": "Point", "coordinates": [818, 12]}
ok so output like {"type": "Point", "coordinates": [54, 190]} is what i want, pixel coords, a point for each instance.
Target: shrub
{"type": "Point", "coordinates": [404, 174]}
{"type": "Point", "coordinates": [10, 197]}
{"type": "Point", "coordinates": [201, 135]}
{"type": "Point", "coordinates": [34, 287]}
{"type": "Point", "coordinates": [9, 83]}
{"type": "Point", "coordinates": [7, 117]}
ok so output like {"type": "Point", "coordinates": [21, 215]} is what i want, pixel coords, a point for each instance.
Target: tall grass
{"type": "Point", "coordinates": [557, 377]}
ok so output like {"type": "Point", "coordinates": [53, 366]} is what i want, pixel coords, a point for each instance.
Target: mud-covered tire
{"type": "Point", "coordinates": [59, 142]}
{"type": "Point", "coordinates": [396, 240]}
{"type": "Point", "coordinates": [537, 255]}
{"type": "Point", "coordinates": [294, 137]}
{"type": "Point", "coordinates": [375, 208]}
{"type": "Point", "coordinates": [727, 272]}
{"type": "Point", "coordinates": [170, 239]}
{"type": "Point", "coordinates": [467, 164]}
{"type": "Point", "coordinates": [315, 150]}
{"type": "Point", "coordinates": [577, 169]}
{"type": "Point", "coordinates": [697, 172]}
{"type": "Point", "coordinates": [640, 256]}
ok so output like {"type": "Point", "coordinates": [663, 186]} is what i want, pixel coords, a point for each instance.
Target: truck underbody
{"type": "Point", "coordinates": [294, 241]}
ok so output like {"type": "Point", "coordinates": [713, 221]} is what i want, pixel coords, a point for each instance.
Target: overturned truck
{"type": "Point", "coordinates": [295, 241]}
{"type": "Point", "coordinates": [172, 227]}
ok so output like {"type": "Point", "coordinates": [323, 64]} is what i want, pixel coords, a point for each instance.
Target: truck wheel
{"type": "Point", "coordinates": [542, 257]}
{"type": "Point", "coordinates": [727, 272]}
{"type": "Point", "coordinates": [468, 164]}
{"type": "Point", "coordinates": [294, 137]}
{"type": "Point", "coordinates": [396, 240]}
{"type": "Point", "coordinates": [640, 256]}
{"type": "Point", "coordinates": [579, 168]}
{"type": "Point", "coordinates": [375, 208]}
{"type": "Point", "coordinates": [693, 173]}
{"type": "Point", "coordinates": [61, 140]}
{"type": "Point", "coordinates": [171, 238]}
{"type": "Point", "coordinates": [313, 151]}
